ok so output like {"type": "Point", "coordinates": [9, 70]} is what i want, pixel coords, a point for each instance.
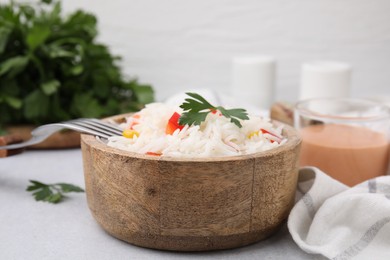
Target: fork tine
{"type": "Point", "coordinates": [106, 125]}
{"type": "Point", "coordinates": [80, 127]}
{"type": "Point", "coordinates": [97, 126]}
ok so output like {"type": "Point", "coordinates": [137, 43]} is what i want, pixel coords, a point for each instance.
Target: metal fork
{"type": "Point", "coordinates": [84, 125]}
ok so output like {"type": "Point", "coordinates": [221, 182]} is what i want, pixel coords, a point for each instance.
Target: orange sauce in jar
{"type": "Point", "coordinates": [349, 154]}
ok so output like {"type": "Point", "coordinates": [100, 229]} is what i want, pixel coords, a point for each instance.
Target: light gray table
{"type": "Point", "coordinates": [39, 230]}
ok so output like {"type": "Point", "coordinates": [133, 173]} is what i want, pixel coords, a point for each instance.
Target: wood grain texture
{"type": "Point", "coordinates": [7, 140]}
{"type": "Point", "coordinates": [205, 198]}
{"type": "Point", "coordinates": [190, 204]}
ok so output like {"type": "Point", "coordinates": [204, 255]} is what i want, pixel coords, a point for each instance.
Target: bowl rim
{"type": "Point", "coordinates": [293, 140]}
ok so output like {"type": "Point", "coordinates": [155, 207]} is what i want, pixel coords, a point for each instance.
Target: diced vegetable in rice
{"type": "Point", "coordinates": [146, 133]}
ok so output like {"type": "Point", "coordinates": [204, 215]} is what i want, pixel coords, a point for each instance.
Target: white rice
{"type": "Point", "coordinates": [215, 137]}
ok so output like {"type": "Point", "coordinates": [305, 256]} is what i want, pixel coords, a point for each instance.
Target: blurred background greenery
{"type": "Point", "coordinates": [53, 69]}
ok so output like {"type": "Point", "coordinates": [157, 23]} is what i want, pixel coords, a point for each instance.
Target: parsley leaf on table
{"type": "Point", "coordinates": [52, 193]}
{"type": "Point", "coordinates": [197, 108]}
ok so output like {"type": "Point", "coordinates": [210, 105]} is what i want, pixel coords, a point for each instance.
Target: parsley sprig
{"type": "Point", "coordinates": [197, 108]}
{"type": "Point", "coordinates": [52, 193]}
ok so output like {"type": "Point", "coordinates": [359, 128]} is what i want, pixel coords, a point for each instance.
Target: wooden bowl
{"type": "Point", "coordinates": [190, 204]}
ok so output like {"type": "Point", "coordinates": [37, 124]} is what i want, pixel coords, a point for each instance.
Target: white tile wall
{"type": "Point", "coordinates": [176, 44]}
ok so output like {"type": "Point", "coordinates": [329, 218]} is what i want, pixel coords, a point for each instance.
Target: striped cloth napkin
{"type": "Point", "coordinates": [339, 222]}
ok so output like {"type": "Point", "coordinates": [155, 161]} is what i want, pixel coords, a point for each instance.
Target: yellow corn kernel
{"type": "Point", "coordinates": [128, 133]}
{"type": "Point", "coordinates": [250, 135]}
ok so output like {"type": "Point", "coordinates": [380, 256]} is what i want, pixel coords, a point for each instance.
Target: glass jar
{"type": "Point", "coordinates": [346, 138]}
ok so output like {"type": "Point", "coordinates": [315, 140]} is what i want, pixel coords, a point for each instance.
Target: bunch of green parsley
{"type": "Point", "coordinates": [53, 69]}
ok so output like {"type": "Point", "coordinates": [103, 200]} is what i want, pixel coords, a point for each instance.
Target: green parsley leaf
{"type": "Point", "coordinates": [50, 87]}
{"type": "Point", "coordinates": [192, 118]}
{"type": "Point", "coordinates": [234, 114]}
{"type": "Point", "coordinates": [52, 193]}
{"type": "Point", "coordinates": [196, 104]}
{"type": "Point", "coordinates": [66, 187]}
{"type": "Point", "coordinates": [36, 185]}
{"type": "Point", "coordinates": [197, 108]}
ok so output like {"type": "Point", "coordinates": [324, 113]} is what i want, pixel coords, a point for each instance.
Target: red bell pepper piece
{"type": "Point", "coordinates": [173, 124]}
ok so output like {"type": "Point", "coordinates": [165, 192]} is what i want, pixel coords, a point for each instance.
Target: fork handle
{"type": "Point", "coordinates": [38, 135]}
{"type": "Point", "coordinates": [47, 130]}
